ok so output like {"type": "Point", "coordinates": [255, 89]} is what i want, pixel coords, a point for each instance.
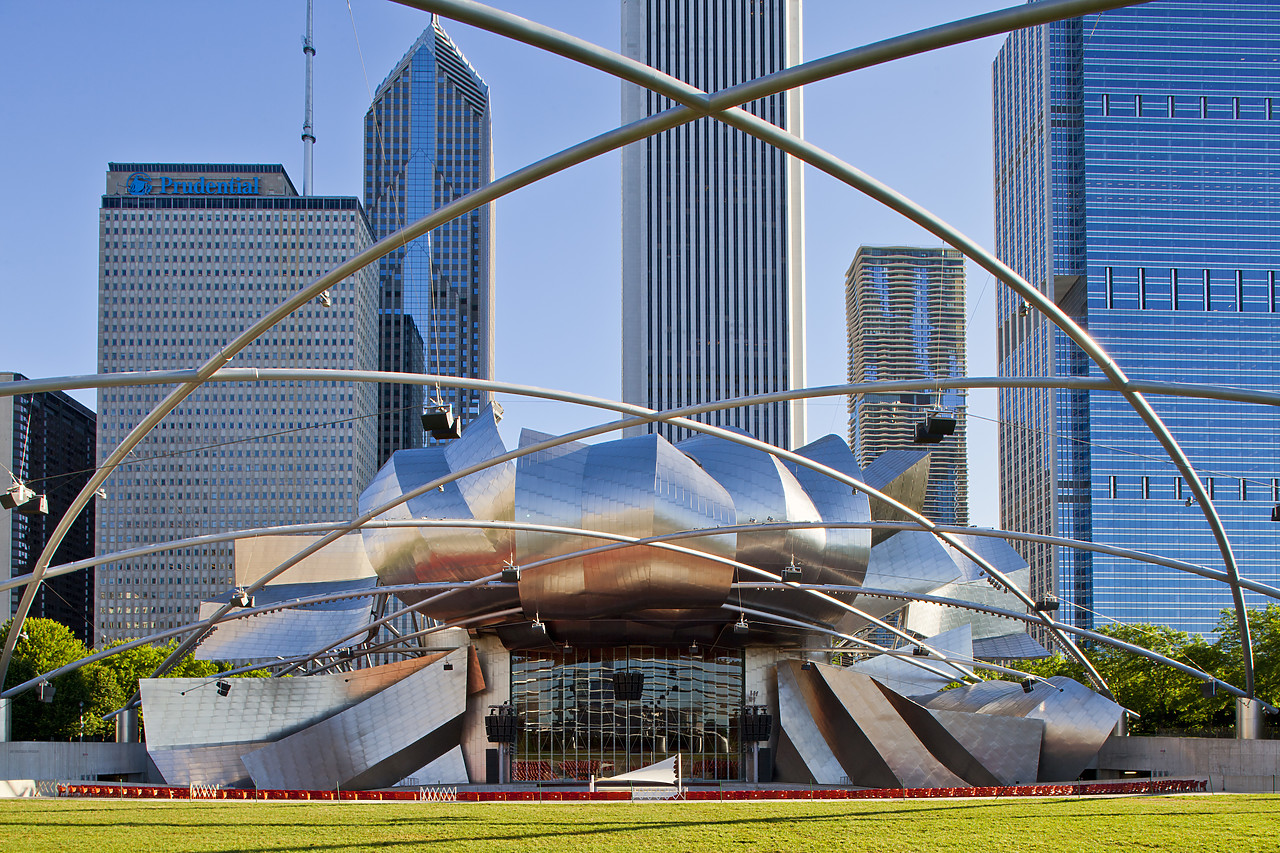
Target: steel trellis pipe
{"type": "Point", "coordinates": [695, 99]}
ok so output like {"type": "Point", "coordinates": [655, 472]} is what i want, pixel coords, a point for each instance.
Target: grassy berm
{"type": "Point", "coordinates": [1235, 823]}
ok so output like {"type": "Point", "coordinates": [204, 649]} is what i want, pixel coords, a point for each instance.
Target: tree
{"type": "Point", "coordinates": [1264, 628]}
{"type": "Point", "coordinates": [1162, 696]}
{"type": "Point", "coordinates": [81, 697]}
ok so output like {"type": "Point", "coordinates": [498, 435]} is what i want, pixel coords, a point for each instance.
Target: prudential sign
{"type": "Point", "coordinates": [140, 183]}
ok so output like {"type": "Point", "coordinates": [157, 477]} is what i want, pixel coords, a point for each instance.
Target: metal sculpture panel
{"type": "Point", "coordinates": [377, 742]}
{"type": "Point", "coordinates": [193, 731]}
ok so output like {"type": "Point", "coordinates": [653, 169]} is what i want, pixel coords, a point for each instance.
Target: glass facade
{"type": "Point", "coordinates": [904, 311]}
{"type": "Point", "coordinates": [180, 276]}
{"type": "Point", "coordinates": [428, 141]}
{"type": "Point", "coordinates": [574, 725]}
{"type": "Point", "coordinates": [47, 441]}
{"type": "Point", "coordinates": [1137, 183]}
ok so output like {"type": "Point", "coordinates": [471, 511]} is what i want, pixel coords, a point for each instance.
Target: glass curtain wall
{"type": "Point", "coordinates": [576, 725]}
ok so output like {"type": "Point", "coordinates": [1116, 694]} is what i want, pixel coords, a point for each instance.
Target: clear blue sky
{"type": "Point", "coordinates": [90, 82]}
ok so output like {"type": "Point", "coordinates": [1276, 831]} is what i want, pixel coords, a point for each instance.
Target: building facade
{"type": "Point", "coordinates": [904, 312]}
{"type": "Point", "coordinates": [712, 227]}
{"type": "Point", "coordinates": [47, 442]}
{"type": "Point", "coordinates": [190, 256]}
{"type": "Point", "coordinates": [428, 141]}
{"type": "Point", "coordinates": [1135, 186]}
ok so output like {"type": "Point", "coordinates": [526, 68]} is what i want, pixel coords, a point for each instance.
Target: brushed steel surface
{"type": "Point", "coordinates": [1014, 646]}
{"type": "Point", "coordinates": [1008, 747]}
{"type": "Point", "coordinates": [638, 487]}
{"type": "Point", "coordinates": [1076, 720]}
{"type": "Point", "coordinates": [901, 675]}
{"type": "Point", "coordinates": [902, 475]}
{"type": "Point", "coordinates": [401, 556]}
{"type": "Point", "coordinates": [286, 632]}
{"type": "Point", "coordinates": [912, 561]}
{"type": "Point", "coordinates": [869, 710]}
{"type": "Point", "coordinates": [847, 552]}
{"type": "Point", "coordinates": [377, 742]}
{"type": "Point", "coordinates": [448, 769]}
{"type": "Point", "coordinates": [797, 720]}
{"type": "Point", "coordinates": [193, 733]}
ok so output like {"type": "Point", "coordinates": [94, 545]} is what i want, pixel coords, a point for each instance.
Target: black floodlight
{"type": "Point", "coordinates": [807, 665]}
{"type": "Point", "coordinates": [923, 436]}
{"type": "Point", "coordinates": [920, 652]}
{"type": "Point", "coordinates": [1275, 513]}
{"type": "Point", "coordinates": [224, 687]}
{"type": "Point", "coordinates": [741, 627]}
{"type": "Point", "coordinates": [440, 422]}
{"type": "Point", "coordinates": [693, 648]}
{"type": "Point", "coordinates": [511, 574]}
{"type": "Point", "coordinates": [448, 666]}
{"type": "Point", "coordinates": [1209, 689]}
{"type": "Point", "coordinates": [1047, 605]}
{"type": "Point", "coordinates": [1028, 684]}
{"type": "Point", "coordinates": [791, 574]}
{"type": "Point", "coordinates": [240, 598]}
{"type": "Point", "coordinates": [45, 691]}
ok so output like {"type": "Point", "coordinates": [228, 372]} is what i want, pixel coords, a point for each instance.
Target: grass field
{"type": "Point", "coordinates": [1237, 823]}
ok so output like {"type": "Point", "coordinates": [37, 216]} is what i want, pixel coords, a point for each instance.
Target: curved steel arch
{"type": "Point", "coordinates": [1087, 633]}
{"type": "Point", "coordinates": [1204, 572]}
{"type": "Point", "coordinates": [875, 54]}
{"type": "Point", "coordinates": [1229, 393]}
{"type": "Point", "coordinates": [324, 527]}
{"type": "Point", "coordinates": [693, 98]}
{"type": "Point", "coordinates": [1235, 587]}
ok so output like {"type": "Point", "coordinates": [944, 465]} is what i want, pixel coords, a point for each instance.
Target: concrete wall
{"type": "Point", "coordinates": [75, 761]}
{"type": "Point", "coordinates": [1229, 765]}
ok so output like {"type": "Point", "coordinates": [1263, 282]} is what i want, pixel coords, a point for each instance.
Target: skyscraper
{"type": "Point", "coordinates": [712, 229]}
{"type": "Point", "coordinates": [47, 441]}
{"type": "Point", "coordinates": [189, 256]}
{"type": "Point", "coordinates": [427, 141]}
{"type": "Point", "coordinates": [904, 311]}
{"type": "Point", "coordinates": [1135, 165]}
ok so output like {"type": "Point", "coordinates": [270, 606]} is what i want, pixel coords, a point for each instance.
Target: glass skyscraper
{"type": "Point", "coordinates": [712, 230]}
{"type": "Point", "coordinates": [904, 312]}
{"type": "Point", "coordinates": [427, 141]}
{"type": "Point", "coordinates": [1137, 184]}
{"type": "Point", "coordinates": [47, 441]}
{"type": "Point", "coordinates": [189, 256]}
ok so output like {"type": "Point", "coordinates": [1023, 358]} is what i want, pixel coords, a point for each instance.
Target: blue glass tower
{"type": "Point", "coordinates": [1138, 185]}
{"type": "Point", "coordinates": [428, 140]}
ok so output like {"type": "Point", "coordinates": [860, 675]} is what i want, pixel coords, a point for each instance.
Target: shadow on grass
{"type": "Point", "coordinates": [598, 823]}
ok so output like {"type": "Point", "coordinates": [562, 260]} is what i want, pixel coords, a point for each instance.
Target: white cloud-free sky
{"type": "Point", "coordinates": [148, 81]}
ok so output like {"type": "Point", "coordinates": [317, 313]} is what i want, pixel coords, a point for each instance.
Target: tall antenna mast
{"type": "Point", "coordinates": [308, 137]}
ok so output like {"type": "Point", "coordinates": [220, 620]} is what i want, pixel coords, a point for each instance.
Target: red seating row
{"type": "Point", "coordinates": [1145, 786]}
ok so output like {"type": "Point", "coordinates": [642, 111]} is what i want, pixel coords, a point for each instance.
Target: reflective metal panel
{"type": "Point", "coordinates": [902, 475]}
{"type": "Point", "coordinates": [806, 739]}
{"type": "Point", "coordinates": [1008, 747]}
{"type": "Point", "coordinates": [1008, 647]}
{"type": "Point", "coordinates": [903, 676]}
{"type": "Point", "coordinates": [375, 743]}
{"type": "Point", "coordinates": [448, 769]}
{"type": "Point", "coordinates": [912, 561]}
{"type": "Point", "coordinates": [286, 632]}
{"type": "Point", "coordinates": [638, 487]}
{"type": "Point", "coordinates": [847, 552]}
{"type": "Point", "coordinates": [193, 733]}
{"type": "Point", "coordinates": [423, 555]}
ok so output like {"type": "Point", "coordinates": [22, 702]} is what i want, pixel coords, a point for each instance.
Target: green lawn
{"type": "Point", "coordinates": [1237, 823]}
